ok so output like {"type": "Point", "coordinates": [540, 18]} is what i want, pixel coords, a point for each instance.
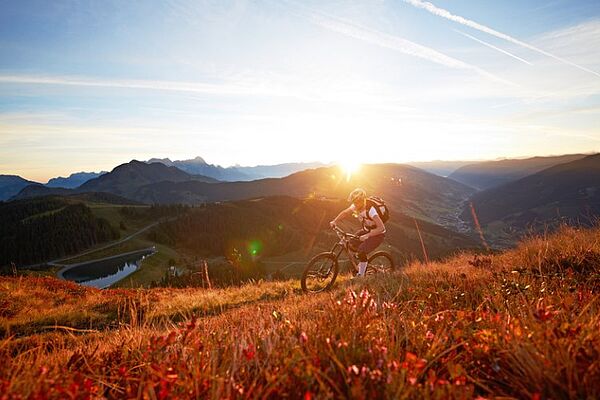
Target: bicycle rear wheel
{"type": "Point", "coordinates": [380, 262]}
{"type": "Point", "coordinates": [320, 273]}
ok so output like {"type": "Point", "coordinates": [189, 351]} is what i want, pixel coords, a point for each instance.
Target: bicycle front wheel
{"type": "Point", "coordinates": [320, 273]}
{"type": "Point", "coordinates": [380, 262]}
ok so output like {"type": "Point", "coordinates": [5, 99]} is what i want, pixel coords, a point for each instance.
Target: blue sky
{"type": "Point", "coordinates": [87, 85]}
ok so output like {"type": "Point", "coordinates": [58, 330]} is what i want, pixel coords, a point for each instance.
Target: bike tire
{"type": "Point", "coordinates": [317, 263]}
{"type": "Point", "coordinates": [380, 257]}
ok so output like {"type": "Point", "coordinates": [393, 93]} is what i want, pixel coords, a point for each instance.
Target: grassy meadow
{"type": "Point", "coordinates": [521, 324]}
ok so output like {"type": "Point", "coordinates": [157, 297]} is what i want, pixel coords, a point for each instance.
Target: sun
{"type": "Point", "coordinates": [349, 167]}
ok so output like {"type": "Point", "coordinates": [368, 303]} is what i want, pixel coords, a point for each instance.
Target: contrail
{"type": "Point", "coordinates": [193, 87]}
{"type": "Point", "coordinates": [386, 40]}
{"type": "Point", "coordinates": [472, 24]}
{"type": "Point", "coordinates": [492, 47]}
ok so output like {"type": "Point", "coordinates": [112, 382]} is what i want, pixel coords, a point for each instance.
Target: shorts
{"type": "Point", "coordinates": [368, 245]}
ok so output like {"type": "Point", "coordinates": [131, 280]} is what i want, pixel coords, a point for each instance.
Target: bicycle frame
{"type": "Point", "coordinates": [325, 271]}
{"type": "Point", "coordinates": [343, 246]}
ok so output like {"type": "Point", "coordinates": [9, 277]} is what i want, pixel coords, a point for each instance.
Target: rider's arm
{"type": "Point", "coordinates": [379, 228]}
{"type": "Point", "coordinates": [342, 214]}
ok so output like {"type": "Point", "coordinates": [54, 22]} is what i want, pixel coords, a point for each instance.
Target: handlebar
{"type": "Point", "coordinates": [342, 234]}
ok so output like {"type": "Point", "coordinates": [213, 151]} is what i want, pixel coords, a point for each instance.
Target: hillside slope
{"type": "Point", "coordinates": [126, 178]}
{"type": "Point", "coordinates": [522, 324]}
{"type": "Point", "coordinates": [123, 181]}
{"type": "Point", "coordinates": [10, 185]}
{"type": "Point", "coordinates": [282, 225]}
{"type": "Point", "coordinates": [42, 229]}
{"type": "Point", "coordinates": [488, 174]}
{"type": "Point", "coordinates": [566, 192]}
{"type": "Point", "coordinates": [407, 189]}
{"type": "Point", "coordinates": [38, 190]}
{"type": "Point", "coordinates": [440, 167]}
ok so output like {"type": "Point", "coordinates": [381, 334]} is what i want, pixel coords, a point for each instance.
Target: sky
{"type": "Point", "coordinates": [88, 85]}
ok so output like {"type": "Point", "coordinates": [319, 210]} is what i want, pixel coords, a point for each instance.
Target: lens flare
{"type": "Point", "coordinates": [254, 248]}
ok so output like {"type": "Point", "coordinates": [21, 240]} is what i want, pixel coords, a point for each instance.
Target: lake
{"type": "Point", "coordinates": [103, 273]}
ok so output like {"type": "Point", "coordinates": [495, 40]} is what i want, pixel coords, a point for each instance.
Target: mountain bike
{"type": "Point", "coordinates": [320, 272]}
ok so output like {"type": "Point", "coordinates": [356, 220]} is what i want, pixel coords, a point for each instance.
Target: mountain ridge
{"type": "Point", "coordinates": [424, 195]}
{"type": "Point", "coordinates": [74, 180]}
{"type": "Point", "coordinates": [421, 194]}
{"type": "Point", "coordinates": [234, 173]}
{"type": "Point", "coordinates": [123, 180]}
{"type": "Point", "coordinates": [568, 192]}
{"type": "Point", "coordinates": [10, 185]}
{"type": "Point", "coordinates": [487, 174]}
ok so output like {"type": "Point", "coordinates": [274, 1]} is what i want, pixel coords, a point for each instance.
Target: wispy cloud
{"type": "Point", "coordinates": [334, 92]}
{"type": "Point", "coordinates": [393, 42]}
{"type": "Point", "coordinates": [192, 87]}
{"type": "Point", "coordinates": [491, 46]}
{"type": "Point", "coordinates": [580, 42]}
{"type": "Point", "coordinates": [475, 25]}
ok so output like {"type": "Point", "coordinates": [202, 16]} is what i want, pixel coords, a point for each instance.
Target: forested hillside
{"type": "Point", "coordinates": [274, 226]}
{"type": "Point", "coordinates": [42, 229]}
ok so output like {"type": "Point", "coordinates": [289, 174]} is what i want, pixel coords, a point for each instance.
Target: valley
{"type": "Point", "coordinates": [195, 218]}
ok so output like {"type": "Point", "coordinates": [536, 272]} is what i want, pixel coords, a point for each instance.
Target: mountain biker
{"type": "Point", "coordinates": [372, 233]}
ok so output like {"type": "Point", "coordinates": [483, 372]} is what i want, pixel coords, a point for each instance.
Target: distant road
{"type": "Point", "coordinates": [108, 246]}
{"type": "Point", "coordinates": [57, 262]}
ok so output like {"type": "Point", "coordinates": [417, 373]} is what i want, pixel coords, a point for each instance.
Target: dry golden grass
{"type": "Point", "coordinates": [522, 324]}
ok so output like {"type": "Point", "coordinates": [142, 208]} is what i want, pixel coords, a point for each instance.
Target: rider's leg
{"type": "Point", "coordinates": [362, 257]}
{"type": "Point", "coordinates": [362, 265]}
{"type": "Point", "coordinates": [365, 248]}
{"type": "Point", "coordinates": [355, 242]}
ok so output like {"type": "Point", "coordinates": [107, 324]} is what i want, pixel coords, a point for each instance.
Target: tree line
{"type": "Point", "coordinates": [268, 227]}
{"type": "Point", "coordinates": [154, 212]}
{"type": "Point", "coordinates": [241, 234]}
{"type": "Point", "coordinates": [45, 229]}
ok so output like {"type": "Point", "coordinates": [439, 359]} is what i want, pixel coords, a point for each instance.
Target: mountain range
{"type": "Point", "coordinates": [488, 174]}
{"type": "Point", "coordinates": [123, 180]}
{"type": "Point", "coordinates": [509, 196]}
{"type": "Point", "coordinates": [74, 180]}
{"type": "Point", "coordinates": [440, 167]}
{"type": "Point", "coordinates": [416, 192]}
{"type": "Point", "coordinates": [567, 192]}
{"type": "Point", "coordinates": [197, 166]}
{"type": "Point", "coordinates": [10, 185]}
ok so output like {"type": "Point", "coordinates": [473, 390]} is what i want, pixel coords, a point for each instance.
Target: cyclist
{"type": "Point", "coordinates": [372, 233]}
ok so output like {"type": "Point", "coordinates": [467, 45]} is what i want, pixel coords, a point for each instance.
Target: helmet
{"type": "Point", "coordinates": [357, 194]}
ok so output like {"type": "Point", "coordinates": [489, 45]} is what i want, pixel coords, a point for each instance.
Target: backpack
{"type": "Point", "coordinates": [380, 207]}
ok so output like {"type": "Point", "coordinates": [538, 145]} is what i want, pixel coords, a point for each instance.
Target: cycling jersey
{"type": "Point", "coordinates": [367, 223]}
